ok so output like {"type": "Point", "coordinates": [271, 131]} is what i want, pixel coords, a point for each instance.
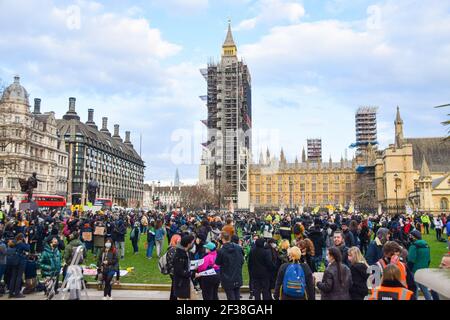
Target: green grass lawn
{"type": "Point", "coordinates": [146, 271]}
{"type": "Point", "coordinates": [438, 249]}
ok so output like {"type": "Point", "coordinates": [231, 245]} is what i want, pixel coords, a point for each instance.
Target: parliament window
{"type": "Point", "coordinates": [336, 199]}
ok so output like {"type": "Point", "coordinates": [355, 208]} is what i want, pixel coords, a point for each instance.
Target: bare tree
{"type": "Point", "coordinates": [224, 191]}
{"type": "Point", "coordinates": [197, 197]}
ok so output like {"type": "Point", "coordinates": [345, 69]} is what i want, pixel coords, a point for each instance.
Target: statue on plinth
{"type": "Point", "coordinates": [92, 188]}
{"type": "Point", "coordinates": [29, 185]}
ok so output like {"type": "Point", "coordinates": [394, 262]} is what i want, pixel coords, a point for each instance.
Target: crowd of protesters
{"type": "Point", "coordinates": [282, 251]}
{"type": "Point", "coordinates": [281, 247]}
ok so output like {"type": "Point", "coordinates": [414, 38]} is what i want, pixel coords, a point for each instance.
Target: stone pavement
{"type": "Point", "coordinates": [94, 294]}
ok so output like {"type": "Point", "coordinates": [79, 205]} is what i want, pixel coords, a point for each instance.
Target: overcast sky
{"type": "Point", "coordinates": [313, 63]}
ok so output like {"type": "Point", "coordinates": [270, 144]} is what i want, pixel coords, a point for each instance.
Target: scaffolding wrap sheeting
{"type": "Point", "coordinates": [362, 143]}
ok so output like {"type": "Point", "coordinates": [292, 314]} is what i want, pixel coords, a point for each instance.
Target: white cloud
{"type": "Point", "coordinates": [273, 11]}
{"type": "Point", "coordinates": [397, 55]}
{"type": "Point", "coordinates": [116, 52]}
{"type": "Point", "coordinates": [183, 6]}
{"type": "Point", "coordinates": [114, 63]}
{"type": "Point", "coordinates": [409, 45]}
{"type": "Point", "coordinates": [246, 24]}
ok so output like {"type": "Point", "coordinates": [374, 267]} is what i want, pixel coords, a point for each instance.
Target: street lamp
{"type": "Point", "coordinates": [220, 200]}
{"type": "Point", "coordinates": [159, 199]}
{"type": "Point", "coordinates": [397, 186]}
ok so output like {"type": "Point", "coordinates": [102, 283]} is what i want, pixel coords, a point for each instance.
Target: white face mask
{"type": "Point", "coordinates": [329, 231]}
{"type": "Point", "coordinates": [193, 249]}
{"type": "Point", "coordinates": [108, 245]}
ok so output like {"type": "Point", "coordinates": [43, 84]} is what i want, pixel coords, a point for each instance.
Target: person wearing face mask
{"type": "Point", "coordinates": [209, 284]}
{"type": "Point", "coordinates": [391, 255]}
{"type": "Point", "coordinates": [106, 264]}
{"type": "Point", "coordinates": [375, 248]}
{"type": "Point", "coordinates": [50, 265]}
{"type": "Point", "coordinates": [391, 287]}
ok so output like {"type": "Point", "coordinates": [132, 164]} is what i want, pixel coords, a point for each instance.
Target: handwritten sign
{"type": "Point", "coordinates": [210, 272]}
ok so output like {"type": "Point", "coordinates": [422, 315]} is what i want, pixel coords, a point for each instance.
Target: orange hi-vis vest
{"type": "Point", "coordinates": [382, 264]}
{"type": "Point", "coordinates": [390, 293]}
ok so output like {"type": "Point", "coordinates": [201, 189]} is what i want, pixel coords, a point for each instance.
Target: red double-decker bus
{"type": "Point", "coordinates": [47, 202]}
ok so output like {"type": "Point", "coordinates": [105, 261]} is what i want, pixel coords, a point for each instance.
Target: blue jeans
{"type": "Point", "coordinates": [151, 245]}
{"type": "Point", "coordinates": [425, 291]}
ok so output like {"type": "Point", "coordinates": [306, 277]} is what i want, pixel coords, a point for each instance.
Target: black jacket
{"type": "Point", "coordinates": [318, 240]}
{"type": "Point", "coordinates": [344, 252]}
{"type": "Point", "coordinates": [284, 233]}
{"type": "Point", "coordinates": [349, 239]}
{"type": "Point", "coordinates": [364, 235]}
{"type": "Point", "coordinates": [310, 289]}
{"type": "Point", "coordinates": [111, 257]}
{"type": "Point", "coordinates": [330, 287]}
{"type": "Point", "coordinates": [260, 264]}
{"type": "Point", "coordinates": [230, 258]}
{"type": "Point", "coordinates": [359, 278]}
{"type": "Point", "coordinates": [181, 274]}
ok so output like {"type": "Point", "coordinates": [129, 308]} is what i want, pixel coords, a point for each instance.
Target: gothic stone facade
{"type": "Point", "coordinates": [414, 172]}
{"type": "Point", "coordinates": [274, 183]}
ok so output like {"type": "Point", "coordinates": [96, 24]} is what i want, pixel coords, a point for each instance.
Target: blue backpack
{"type": "Point", "coordinates": [294, 282]}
